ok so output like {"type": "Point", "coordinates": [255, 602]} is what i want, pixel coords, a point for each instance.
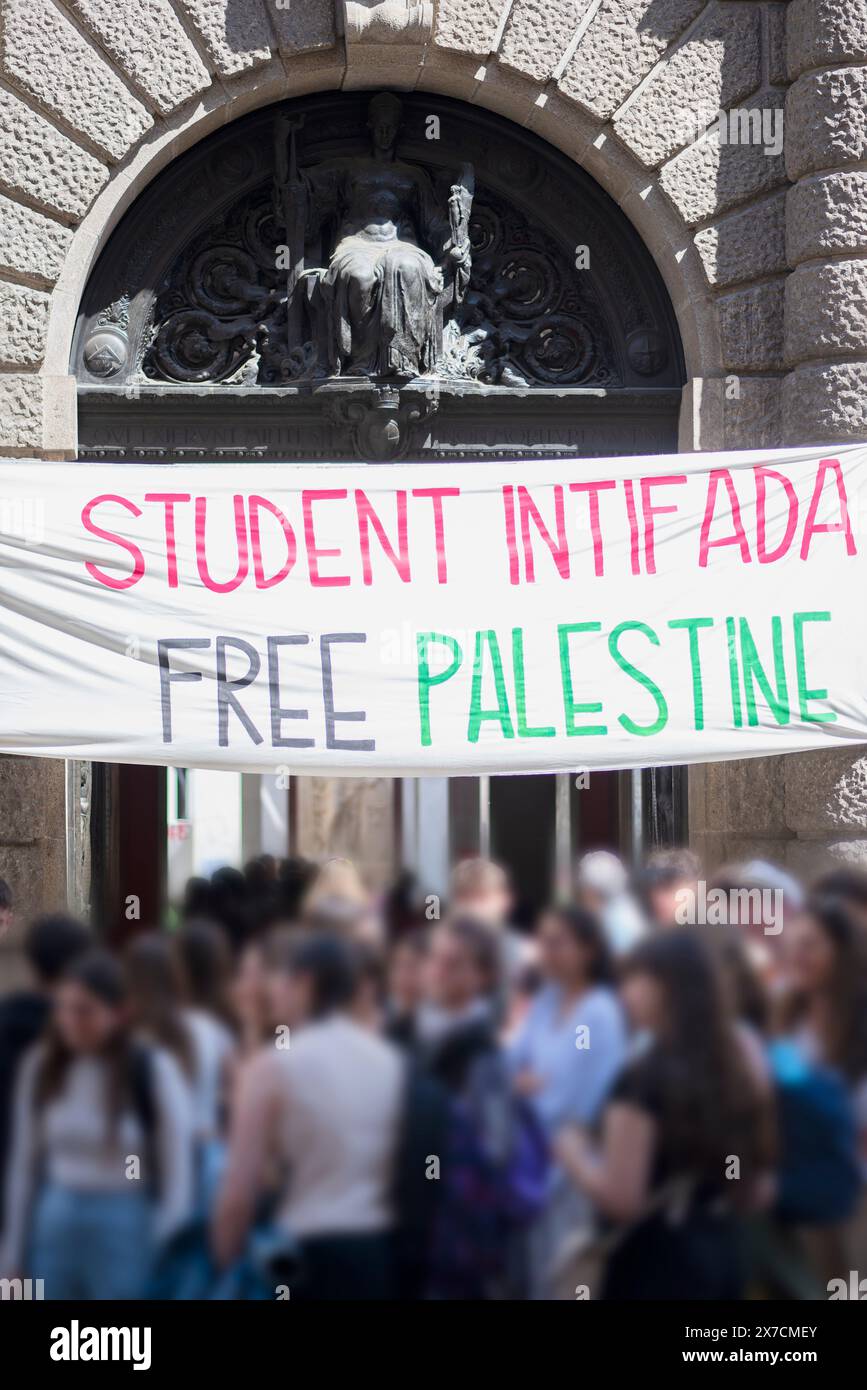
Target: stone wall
{"type": "Point", "coordinates": [768, 281]}
{"type": "Point", "coordinates": [96, 97]}
{"type": "Point", "coordinates": [803, 808]}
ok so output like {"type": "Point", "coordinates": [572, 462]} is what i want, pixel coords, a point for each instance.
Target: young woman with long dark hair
{"type": "Point", "coordinates": [155, 988]}
{"type": "Point", "coordinates": [686, 1139]}
{"type": "Point", "coordinates": [201, 1044]}
{"type": "Point", "coordinates": [205, 962]}
{"type": "Point", "coordinates": [100, 1170]}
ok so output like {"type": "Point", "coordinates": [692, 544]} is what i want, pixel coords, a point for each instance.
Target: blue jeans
{"type": "Point", "coordinates": [91, 1245]}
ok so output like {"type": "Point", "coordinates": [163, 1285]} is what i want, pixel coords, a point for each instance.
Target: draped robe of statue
{"type": "Point", "coordinates": [384, 289]}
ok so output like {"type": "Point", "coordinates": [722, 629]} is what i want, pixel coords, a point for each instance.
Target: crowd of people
{"type": "Point", "coordinates": [298, 1089]}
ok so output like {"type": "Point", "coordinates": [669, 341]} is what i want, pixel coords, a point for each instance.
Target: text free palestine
{"type": "Point", "coordinates": [497, 664]}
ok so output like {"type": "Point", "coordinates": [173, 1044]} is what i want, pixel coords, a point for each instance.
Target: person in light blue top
{"type": "Point", "coordinates": [566, 1057]}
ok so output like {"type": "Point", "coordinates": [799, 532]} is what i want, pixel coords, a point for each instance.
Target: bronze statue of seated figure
{"type": "Point", "coordinates": [399, 260]}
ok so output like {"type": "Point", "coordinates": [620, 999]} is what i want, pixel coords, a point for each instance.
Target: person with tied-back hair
{"type": "Point", "coordinates": [458, 1020]}
{"type": "Point", "coordinates": [690, 1100]}
{"type": "Point", "coordinates": [101, 1169]}
{"type": "Point", "coordinates": [323, 1101]}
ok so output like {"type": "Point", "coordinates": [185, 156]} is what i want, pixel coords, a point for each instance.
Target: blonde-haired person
{"type": "Point", "coordinates": [336, 878]}
{"type": "Point", "coordinates": [339, 901]}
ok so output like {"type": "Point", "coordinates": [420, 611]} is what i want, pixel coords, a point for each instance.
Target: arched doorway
{"type": "Point", "coordinates": [188, 346]}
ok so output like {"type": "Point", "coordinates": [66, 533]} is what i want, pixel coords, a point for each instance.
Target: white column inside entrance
{"type": "Point", "coordinates": [265, 816]}
{"type": "Point", "coordinates": [425, 830]}
{"type": "Point", "coordinates": [216, 817]}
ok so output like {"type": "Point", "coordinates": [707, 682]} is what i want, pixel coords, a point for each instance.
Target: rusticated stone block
{"type": "Point", "coordinates": [538, 34]}
{"type": "Point", "coordinates": [752, 416]}
{"type": "Point", "coordinates": [146, 40]}
{"type": "Point", "coordinates": [809, 859]}
{"type": "Point", "coordinates": [25, 794]}
{"type": "Point", "coordinates": [747, 245]}
{"type": "Point", "coordinates": [826, 121]}
{"type": "Point", "coordinates": [751, 328]}
{"type": "Point", "coordinates": [719, 65]}
{"type": "Point", "coordinates": [827, 214]}
{"type": "Point", "coordinates": [36, 873]}
{"type": "Point", "coordinates": [31, 244]}
{"type": "Point", "coordinates": [742, 849]}
{"type": "Point", "coordinates": [237, 37]}
{"type": "Point", "coordinates": [825, 403]}
{"type": "Point", "coordinates": [37, 160]}
{"type": "Point", "coordinates": [304, 26]}
{"type": "Point", "coordinates": [822, 32]}
{"type": "Point", "coordinates": [826, 311]}
{"type": "Point", "coordinates": [23, 325]}
{"type": "Point", "coordinates": [20, 414]}
{"type": "Point", "coordinates": [776, 41]}
{"type": "Point", "coordinates": [469, 26]}
{"type": "Point", "coordinates": [623, 41]}
{"type": "Point", "coordinates": [826, 790]}
{"type": "Point", "coordinates": [709, 178]}
{"type": "Point", "coordinates": [43, 53]}
{"type": "Point", "coordinates": [745, 796]}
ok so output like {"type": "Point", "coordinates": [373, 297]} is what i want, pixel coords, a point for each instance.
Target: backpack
{"type": "Point", "coordinates": [819, 1179]}
{"type": "Point", "coordinates": [495, 1180]}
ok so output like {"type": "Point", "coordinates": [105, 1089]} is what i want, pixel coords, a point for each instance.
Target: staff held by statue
{"type": "Point", "coordinates": [293, 195]}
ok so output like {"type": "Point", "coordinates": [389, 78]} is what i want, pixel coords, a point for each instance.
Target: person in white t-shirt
{"type": "Point", "coordinates": [323, 1101]}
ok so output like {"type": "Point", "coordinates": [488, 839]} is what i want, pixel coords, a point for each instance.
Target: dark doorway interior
{"type": "Point", "coordinates": [128, 838]}
{"type": "Point", "coordinates": [522, 837]}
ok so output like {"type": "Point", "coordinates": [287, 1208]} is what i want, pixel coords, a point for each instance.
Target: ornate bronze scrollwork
{"type": "Point", "coordinates": [375, 267]}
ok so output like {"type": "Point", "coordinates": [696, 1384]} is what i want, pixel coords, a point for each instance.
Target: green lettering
{"type": "Point", "coordinates": [524, 729]}
{"type": "Point", "coordinates": [754, 674]}
{"type": "Point", "coordinates": [804, 694]}
{"type": "Point", "coordinates": [643, 731]}
{"type": "Point", "coordinates": [564, 632]}
{"type": "Point", "coordinates": [426, 680]}
{"type": "Point", "coordinates": [734, 679]}
{"type": "Point", "coordinates": [692, 626]}
{"type": "Point", "coordinates": [501, 714]}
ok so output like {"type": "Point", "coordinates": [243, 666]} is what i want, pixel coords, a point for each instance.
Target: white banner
{"type": "Point", "coordinates": [356, 620]}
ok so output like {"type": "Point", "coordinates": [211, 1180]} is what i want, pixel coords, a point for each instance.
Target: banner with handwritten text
{"type": "Point", "coordinates": [454, 618]}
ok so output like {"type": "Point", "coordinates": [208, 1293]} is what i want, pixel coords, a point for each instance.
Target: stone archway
{"type": "Point", "coordinates": [190, 338]}
{"type": "Point", "coordinates": [194, 341]}
{"type": "Point", "coordinates": [96, 98]}
{"type": "Point", "coordinates": [217, 62]}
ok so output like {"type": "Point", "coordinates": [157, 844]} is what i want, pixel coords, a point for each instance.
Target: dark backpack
{"type": "Point", "coordinates": [495, 1180]}
{"type": "Point", "coordinates": [819, 1180]}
